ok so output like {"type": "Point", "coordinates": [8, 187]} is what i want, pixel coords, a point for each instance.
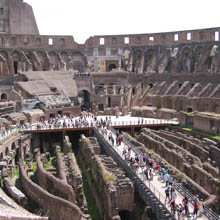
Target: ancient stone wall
{"type": "Point", "coordinates": [54, 185]}
{"type": "Point", "coordinates": [68, 171]}
{"type": "Point", "coordinates": [21, 18]}
{"type": "Point", "coordinates": [17, 17]}
{"type": "Point", "coordinates": [57, 208]}
{"type": "Point", "coordinates": [180, 158]}
{"type": "Point", "coordinates": [115, 191]}
{"type": "Point", "coordinates": [202, 35]}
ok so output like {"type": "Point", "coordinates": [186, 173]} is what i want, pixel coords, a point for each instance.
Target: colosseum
{"type": "Point", "coordinates": [122, 127]}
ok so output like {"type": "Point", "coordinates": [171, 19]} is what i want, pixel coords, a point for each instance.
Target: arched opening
{"type": "Point", "coordinates": [4, 96]}
{"type": "Point", "coordinates": [133, 91]}
{"type": "Point", "coordinates": [78, 65]}
{"type": "Point", "coordinates": [84, 100]}
{"type": "Point", "coordinates": [101, 107]}
{"type": "Point", "coordinates": [54, 60]}
{"type": "Point", "coordinates": [1, 156]}
{"type": "Point", "coordinates": [119, 91]}
{"type": "Point", "coordinates": [6, 151]}
{"type": "Point", "coordinates": [16, 67]}
{"type": "Point", "coordinates": [109, 104]}
{"type": "Point", "coordinates": [112, 67]}
{"type": "Point", "coordinates": [16, 59]}
{"type": "Point", "coordinates": [187, 60]}
{"type": "Point", "coordinates": [13, 146]}
{"type": "Point", "coordinates": [124, 215]}
{"type": "Point", "coordinates": [17, 156]}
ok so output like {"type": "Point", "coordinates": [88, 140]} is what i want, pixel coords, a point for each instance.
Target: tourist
{"type": "Point", "coordinates": [146, 173]}
{"type": "Point", "coordinates": [201, 208]}
{"type": "Point", "coordinates": [186, 205]}
{"type": "Point", "coordinates": [124, 150]}
{"type": "Point", "coordinates": [166, 178]}
{"type": "Point", "coordinates": [180, 211]}
{"type": "Point", "coordinates": [195, 208]}
{"type": "Point", "coordinates": [163, 173]}
{"type": "Point", "coordinates": [152, 174]}
{"type": "Point", "coordinates": [173, 206]}
{"type": "Point", "coordinates": [173, 194]}
{"type": "Point", "coordinates": [170, 180]}
{"type": "Point", "coordinates": [167, 193]}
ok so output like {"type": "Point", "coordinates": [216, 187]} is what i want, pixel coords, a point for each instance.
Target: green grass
{"type": "Point", "coordinates": [34, 166]}
{"type": "Point", "coordinates": [211, 135]}
{"type": "Point", "coordinates": [109, 177]}
{"type": "Point", "coordinates": [92, 209]}
{"type": "Point", "coordinates": [16, 173]}
{"type": "Point", "coordinates": [50, 163]}
{"type": "Point", "coordinates": [187, 129]}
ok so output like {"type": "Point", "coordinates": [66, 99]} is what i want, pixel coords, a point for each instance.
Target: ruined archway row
{"type": "Point", "coordinates": [187, 58]}
{"type": "Point", "coordinates": [13, 61]}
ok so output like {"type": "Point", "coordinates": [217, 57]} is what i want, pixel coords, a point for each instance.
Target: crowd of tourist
{"type": "Point", "coordinates": [147, 167]}
{"type": "Point", "coordinates": [86, 119]}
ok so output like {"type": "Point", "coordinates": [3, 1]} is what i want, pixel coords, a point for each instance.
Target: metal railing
{"type": "Point", "coordinates": [147, 191]}
{"type": "Point", "coordinates": [210, 214]}
{"type": "Point", "coordinates": [4, 135]}
{"type": "Point", "coordinates": [90, 124]}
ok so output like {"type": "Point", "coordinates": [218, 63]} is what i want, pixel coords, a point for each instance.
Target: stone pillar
{"type": "Point", "coordinates": [67, 146]}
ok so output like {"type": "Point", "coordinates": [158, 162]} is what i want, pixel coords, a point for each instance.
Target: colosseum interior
{"type": "Point", "coordinates": [61, 101]}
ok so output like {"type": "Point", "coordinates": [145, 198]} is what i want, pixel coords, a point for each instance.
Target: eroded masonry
{"type": "Point", "coordinates": [82, 124]}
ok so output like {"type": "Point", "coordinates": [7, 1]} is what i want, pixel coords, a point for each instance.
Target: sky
{"type": "Point", "coordinates": [85, 18]}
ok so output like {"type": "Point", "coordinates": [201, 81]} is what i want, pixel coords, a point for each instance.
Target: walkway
{"type": "Point", "coordinates": [156, 185]}
{"type": "Point", "coordinates": [90, 122]}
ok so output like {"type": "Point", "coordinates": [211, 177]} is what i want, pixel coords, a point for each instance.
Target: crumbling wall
{"type": "Point", "coordinates": [115, 191]}
{"type": "Point", "coordinates": [181, 159]}
{"type": "Point", "coordinates": [57, 208]}
{"type": "Point", "coordinates": [52, 184]}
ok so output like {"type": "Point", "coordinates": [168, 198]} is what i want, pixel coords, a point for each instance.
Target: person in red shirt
{"type": "Point", "coordinates": [196, 208]}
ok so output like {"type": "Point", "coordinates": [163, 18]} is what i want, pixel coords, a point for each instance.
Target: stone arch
{"type": "Point", "coordinates": [137, 55]}
{"type": "Point", "coordinates": [199, 49]}
{"type": "Point", "coordinates": [4, 53]}
{"type": "Point", "coordinates": [54, 59]}
{"type": "Point", "coordinates": [13, 146]}
{"type": "Point", "coordinates": [4, 96]}
{"type": "Point", "coordinates": [43, 60]}
{"type": "Point", "coordinates": [111, 67]}
{"type": "Point", "coordinates": [198, 52]}
{"type": "Point", "coordinates": [16, 59]}
{"type": "Point", "coordinates": [30, 57]}
{"type": "Point", "coordinates": [186, 59]}
{"type": "Point", "coordinates": [164, 61]}
{"type": "Point", "coordinates": [150, 60]}
{"type": "Point", "coordinates": [85, 97]}
{"type": "Point", "coordinates": [78, 65]}
{"type": "Point", "coordinates": [6, 151]}
{"type": "Point", "coordinates": [79, 61]}
{"type": "Point", "coordinates": [4, 63]}
{"type": "Point", "coordinates": [16, 55]}
{"type": "Point", "coordinates": [64, 56]}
